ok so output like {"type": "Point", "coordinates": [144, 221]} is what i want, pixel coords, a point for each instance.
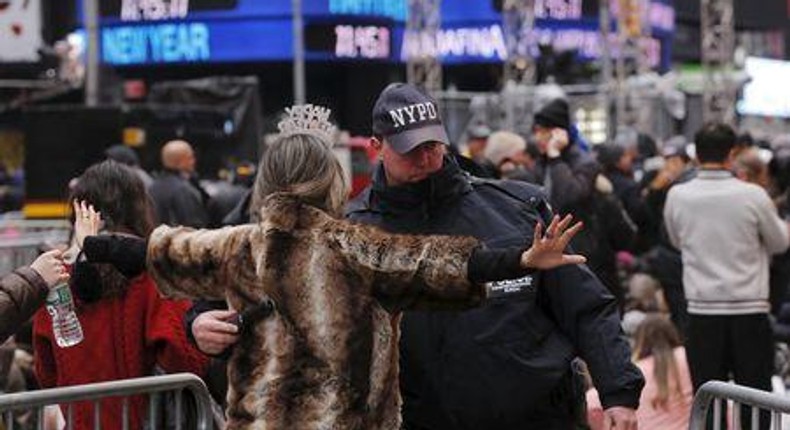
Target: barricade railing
{"type": "Point", "coordinates": [717, 392]}
{"type": "Point", "coordinates": [22, 240]}
{"type": "Point", "coordinates": [154, 387]}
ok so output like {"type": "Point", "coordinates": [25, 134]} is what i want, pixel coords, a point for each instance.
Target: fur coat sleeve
{"type": "Point", "coordinates": [405, 271]}
{"type": "Point", "coordinates": [412, 271]}
{"type": "Point", "coordinates": [200, 264]}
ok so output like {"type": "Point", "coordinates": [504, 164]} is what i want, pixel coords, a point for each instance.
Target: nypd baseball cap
{"type": "Point", "coordinates": [407, 117]}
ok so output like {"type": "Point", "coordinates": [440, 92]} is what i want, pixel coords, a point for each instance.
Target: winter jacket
{"type": "Point", "coordinates": [127, 334]}
{"type": "Point", "coordinates": [320, 301]}
{"type": "Point", "coordinates": [629, 193]}
{"type": "Point", "coordinates": [22, 292]}
{"type": "Point", "coordinates": [607, 220]}
{"type": "Point", "coordinates": [179, 201]}
{"type": "Point", "coordinates": [569, 178]}
{"type": "Point", "coordinates": [569, 181]}
{"type": "Point", "coordinates": [505, 365]}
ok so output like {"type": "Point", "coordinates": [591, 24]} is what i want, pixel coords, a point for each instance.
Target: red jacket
{"type": "Point", "coordinates": [125, 337]}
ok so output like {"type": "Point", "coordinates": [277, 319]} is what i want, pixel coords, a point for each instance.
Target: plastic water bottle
{"type": "Point", "coordinates": [65, 325]}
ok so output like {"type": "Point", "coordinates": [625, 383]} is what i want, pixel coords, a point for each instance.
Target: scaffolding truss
{"type": "Point", "coordinates": [422, 31]}
{"type": "Point", "coordinates": [718, 45]}
{"type": "Point", "coordinates": [518, 24]}
{"type": "Point", "coordinates": [630, 61]}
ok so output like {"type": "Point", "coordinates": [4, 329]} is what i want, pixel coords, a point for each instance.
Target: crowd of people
{"type": "Point", "coordinates": [447, 295]}
{"type": "Point", "coordinates": [692, 231]}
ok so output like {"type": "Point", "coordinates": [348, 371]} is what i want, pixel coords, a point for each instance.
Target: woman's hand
{"type": "Point", "coordinates": [546, 251]}
{"type": "Point", "coordinates": [86, 221]}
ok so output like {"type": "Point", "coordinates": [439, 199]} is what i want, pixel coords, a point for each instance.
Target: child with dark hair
{"type": "Point", "coordinates": [128, 328]}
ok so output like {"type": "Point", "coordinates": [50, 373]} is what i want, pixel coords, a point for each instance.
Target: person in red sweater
{"type": "Point", "coordinates": [129, 330]}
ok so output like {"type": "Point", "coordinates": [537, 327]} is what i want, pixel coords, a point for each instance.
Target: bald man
{"type": "Point", "coordinates": [177, 195]}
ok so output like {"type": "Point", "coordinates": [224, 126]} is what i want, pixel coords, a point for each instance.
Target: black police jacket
{"type": "Point", "coordinates": [504, 365]}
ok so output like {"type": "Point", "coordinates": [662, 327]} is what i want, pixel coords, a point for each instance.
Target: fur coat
{"type": "Point", "coordinates": [325, 355]}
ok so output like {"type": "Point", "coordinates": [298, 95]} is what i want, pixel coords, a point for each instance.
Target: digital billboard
{"type": "Point", "coordinates": [142, 32]}
{"type": "Point", "coordinates": [767, 93]}
{"type": "Point", "coordinates": [20, 31]}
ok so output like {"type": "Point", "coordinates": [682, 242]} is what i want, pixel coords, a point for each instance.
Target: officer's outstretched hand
{"type": "Point", "coordinates": [547, 251]}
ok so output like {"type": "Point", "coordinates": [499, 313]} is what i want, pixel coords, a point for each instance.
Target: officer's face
{"type": "Point", "coordinates": [413, 166]}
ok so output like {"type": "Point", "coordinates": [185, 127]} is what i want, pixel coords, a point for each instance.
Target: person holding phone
{"type": "Point", "coordinates": [572, 179]}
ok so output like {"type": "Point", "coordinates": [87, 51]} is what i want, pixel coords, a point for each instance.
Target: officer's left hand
{"type": "Point", "coordinates": [619, 418]}
{"type": "Point", "coordinates": [547, 252]}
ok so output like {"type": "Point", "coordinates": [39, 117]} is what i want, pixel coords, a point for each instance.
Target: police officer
{"type": "Point", "coordinates": [507, 365]}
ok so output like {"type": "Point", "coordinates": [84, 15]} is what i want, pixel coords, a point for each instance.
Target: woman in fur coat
{"type": "Point", "coordinates": [320, 298]}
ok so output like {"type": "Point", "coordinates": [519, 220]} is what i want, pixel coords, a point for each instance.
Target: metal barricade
{"type": "Point", "coordinates": [717, 391]}
{"type": "Point", "coordinates": [22, 240]}
{"type": "Point", "coordinates": [153, 386]}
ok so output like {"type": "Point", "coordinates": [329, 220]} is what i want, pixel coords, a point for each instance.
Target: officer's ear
{"type": "Point", "coordinates": [376, 143]}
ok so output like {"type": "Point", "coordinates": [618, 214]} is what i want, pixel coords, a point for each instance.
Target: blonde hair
{"type": "Point", "coordinates": [302, 164]}
{"type": "Point", "coordinates": [657, 337]}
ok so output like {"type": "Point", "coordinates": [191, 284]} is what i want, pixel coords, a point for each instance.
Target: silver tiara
{"type": "Point", "coordinates": [308, 119]}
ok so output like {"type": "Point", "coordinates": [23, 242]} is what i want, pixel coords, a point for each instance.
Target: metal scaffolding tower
{"type": "Point", "coordinates": [630, 60]}
{"type": "Point", "coordinates": [607, 75]}
{"type": "Point", "coordinates": [518, 23]}
{"type": "Point", "coordinates": [718, 45]}
{"type": "Point", "coordinates": [90, 14]}
{"type": "Point", "coordinates": [422, 30]}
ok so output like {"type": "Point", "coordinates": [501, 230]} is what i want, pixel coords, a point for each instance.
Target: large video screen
{"type": "Point", "coordinates": [115, 8]}
{"type": "Point", "coordinates": [767, 94]}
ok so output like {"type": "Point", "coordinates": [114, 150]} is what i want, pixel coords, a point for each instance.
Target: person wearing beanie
{"type": "Point", "coordinates": [554, 115]}
{"type": "Point", "coordinates": [567, 174]}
